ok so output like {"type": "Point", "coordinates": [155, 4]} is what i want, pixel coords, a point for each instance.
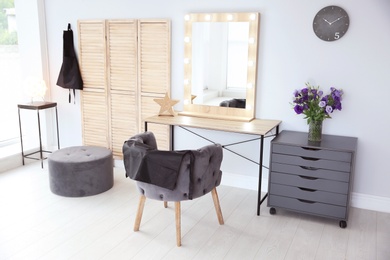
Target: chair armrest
{"type": "Point", "coordinates": [133, 154]}
{"type": "Point", "coordinates": [147, 138]}
{"type": "Point", "coordinates": [207, 172]}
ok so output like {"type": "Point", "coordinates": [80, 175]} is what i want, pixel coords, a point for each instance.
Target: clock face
{"type": "Point", "coordinates": [331, 23]}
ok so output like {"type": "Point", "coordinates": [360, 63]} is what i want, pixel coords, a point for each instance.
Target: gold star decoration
{"type": "Point", "coordinates": [166, 105]}
{"type": "Point", "coordinates": [192, 98]}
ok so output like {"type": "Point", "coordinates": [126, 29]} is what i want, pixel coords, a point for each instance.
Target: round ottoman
{"type": "Point", "coordinates": [81, 171]}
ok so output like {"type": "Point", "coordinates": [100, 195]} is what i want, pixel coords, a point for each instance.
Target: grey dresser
{"type": "Point", "coordinates": [313, 178]}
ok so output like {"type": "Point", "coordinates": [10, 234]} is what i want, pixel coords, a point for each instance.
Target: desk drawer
{"type": "Point", "coordinates": [312, 152]}
{"type": "Point", "coordinates": [308, 206]}
{"type": "Point", "coordinates": [310, 162]}
{"type": "Point", "coordinates": [310, 172]}
{"type": "Point", "coordinates": [309, 182]}
{"type": "Point", "coordinates": [308, 194]}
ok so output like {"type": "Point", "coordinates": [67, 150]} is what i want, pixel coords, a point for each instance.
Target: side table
{"type": "Point", "coordinates": [37, 106]}
{"type": "Point", "coordinates": [312, 177]}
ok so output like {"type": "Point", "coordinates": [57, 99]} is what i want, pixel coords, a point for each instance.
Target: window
{"type": "Point", "coordinates": [10, 86]}
{"type": "Point", "coordinates": [237, 62]}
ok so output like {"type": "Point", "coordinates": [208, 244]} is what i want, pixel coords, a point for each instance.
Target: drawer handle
{"type": "Point", "coordinates": [309, 158]}
{"type": "Point", "coordinates": [306, 189]}
{"type": "Point", "coordinates": [309, 168]}
{"type": "Point", "coordinates": [306, 201]}
{"type": "Point", "coordinates": [308, 178]}
{"type": "Point", "coordinates": [310, 149]}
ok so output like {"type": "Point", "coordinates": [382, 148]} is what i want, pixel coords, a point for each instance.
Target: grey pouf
{"type": "Point", "coordinates": [81, 171]}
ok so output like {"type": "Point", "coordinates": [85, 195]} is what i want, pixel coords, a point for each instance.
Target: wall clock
{"type": "Point", "coordinates": [331, 23]}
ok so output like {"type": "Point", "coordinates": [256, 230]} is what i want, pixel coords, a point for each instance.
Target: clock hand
{"type": "Point", "coordinates": [326, 21]}
{"type": "Point", "coordinates": [337, 20]}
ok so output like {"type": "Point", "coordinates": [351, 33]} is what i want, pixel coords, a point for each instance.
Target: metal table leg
{"type": "Point", "coordinates": [58, 132]}
{"type": "Point", "coordinates": [21, 138]}
{"type": "Point", "coordinates": [40, 139]}
{"type": "Point", "coordinates": [259, 200]}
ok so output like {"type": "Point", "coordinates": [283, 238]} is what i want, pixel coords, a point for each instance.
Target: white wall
{"type": "Point", "coordinates": [289, 55]}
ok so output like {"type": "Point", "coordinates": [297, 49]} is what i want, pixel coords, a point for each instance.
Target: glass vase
{"type": "Point", "coordinates": [315, 131]}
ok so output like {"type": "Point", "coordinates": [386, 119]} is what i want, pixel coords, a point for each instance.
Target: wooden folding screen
{"type": "Point", "coordinates": [92, 58]}
{"type": "Point", "coordinates": [154, 74]}
{"type": "Point", "coordinates": [125, 64]}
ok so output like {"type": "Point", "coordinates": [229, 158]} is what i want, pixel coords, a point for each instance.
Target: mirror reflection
{"type": "Point", "coordinates": [219, 63]}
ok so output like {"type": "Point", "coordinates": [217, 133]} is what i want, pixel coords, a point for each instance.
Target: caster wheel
{"type": "Point", "coordinates": [272, 211]}
{"type": "Point", "coordinates": [343, 224]}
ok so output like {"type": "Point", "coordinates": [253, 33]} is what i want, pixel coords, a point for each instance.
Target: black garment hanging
{"type": "Point", "coordinates": [70, 76]}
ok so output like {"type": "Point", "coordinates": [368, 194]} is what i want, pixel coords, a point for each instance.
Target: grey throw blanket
{"type": "Point", "coordinates": [146, 164]}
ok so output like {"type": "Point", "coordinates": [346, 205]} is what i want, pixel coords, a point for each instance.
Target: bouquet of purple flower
{"type": "Point", "coordinates": [311, 102]}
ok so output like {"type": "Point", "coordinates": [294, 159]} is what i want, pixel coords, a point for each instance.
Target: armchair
{"type": "Point", "coordinates": [172, 175]}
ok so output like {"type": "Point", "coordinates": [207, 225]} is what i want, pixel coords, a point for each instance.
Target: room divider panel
{"type": "Point", "coordinates": [125, 64]}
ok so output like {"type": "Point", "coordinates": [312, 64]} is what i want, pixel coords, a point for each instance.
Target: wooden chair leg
{"type": "Point", "coordinates": [217, 206]}
{"type": "Point", "coordinates": [140, 210]}
{"type": "Point", "coordinates": [165, 204]}
{"type": "Point", "coordinates": [178, 223]}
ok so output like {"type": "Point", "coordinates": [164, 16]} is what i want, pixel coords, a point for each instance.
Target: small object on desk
{"type": "Point", "coordinates": [166, 104]}
{"type": "Point", "coordinates": [192, 98]}
{"type": "Point", "coordinates": [37, 105]}
{"type": "Point", "coordinates": [35, 88]}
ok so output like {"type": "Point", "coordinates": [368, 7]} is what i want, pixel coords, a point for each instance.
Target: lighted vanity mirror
{"type": "Point", "coordinates": [220, 65]}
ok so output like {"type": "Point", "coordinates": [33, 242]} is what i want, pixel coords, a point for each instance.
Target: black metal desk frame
{"type": "Point", "coordinates": [37, 106]}
{"type": "Point", "coordinates": [261, 137]}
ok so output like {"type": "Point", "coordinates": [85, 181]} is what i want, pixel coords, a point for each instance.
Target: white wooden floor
{"type": "Point", "coordinates": [36, 224]}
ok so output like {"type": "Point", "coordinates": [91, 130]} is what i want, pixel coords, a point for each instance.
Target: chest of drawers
{"type": "Point", "coordinates": [312, 178]}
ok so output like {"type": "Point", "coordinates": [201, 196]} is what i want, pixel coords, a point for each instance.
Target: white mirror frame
{"type": "Point", "coordinates": [229, 113]}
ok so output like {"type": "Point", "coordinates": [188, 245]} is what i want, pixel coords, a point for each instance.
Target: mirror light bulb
{"type": "Point", "coordinates": [252, 17]}
{"type": "Point", "coordinates": [186, 60]}
{"type": "Point", "coordinates": [207, 17]}
{"type": "Point", "coordinates": [187, 39]}
{"type": "Point", "coordinates": [187, 17]}
{"type": "Point", "coordinates": [229, 17]}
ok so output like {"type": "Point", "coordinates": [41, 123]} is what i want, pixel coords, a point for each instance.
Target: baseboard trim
{"type": "Point", "coordinates": [242, 181]}
{"type": "Point", "coordinates": [370, 202]}
{"type": "Point", "coordinates": [10, 162]}
{"type": "Point", "coordinates": [14, 160]}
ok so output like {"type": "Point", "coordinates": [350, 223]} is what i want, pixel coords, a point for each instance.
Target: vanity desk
{"type": "Point", "coordinates": [259, 127]}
